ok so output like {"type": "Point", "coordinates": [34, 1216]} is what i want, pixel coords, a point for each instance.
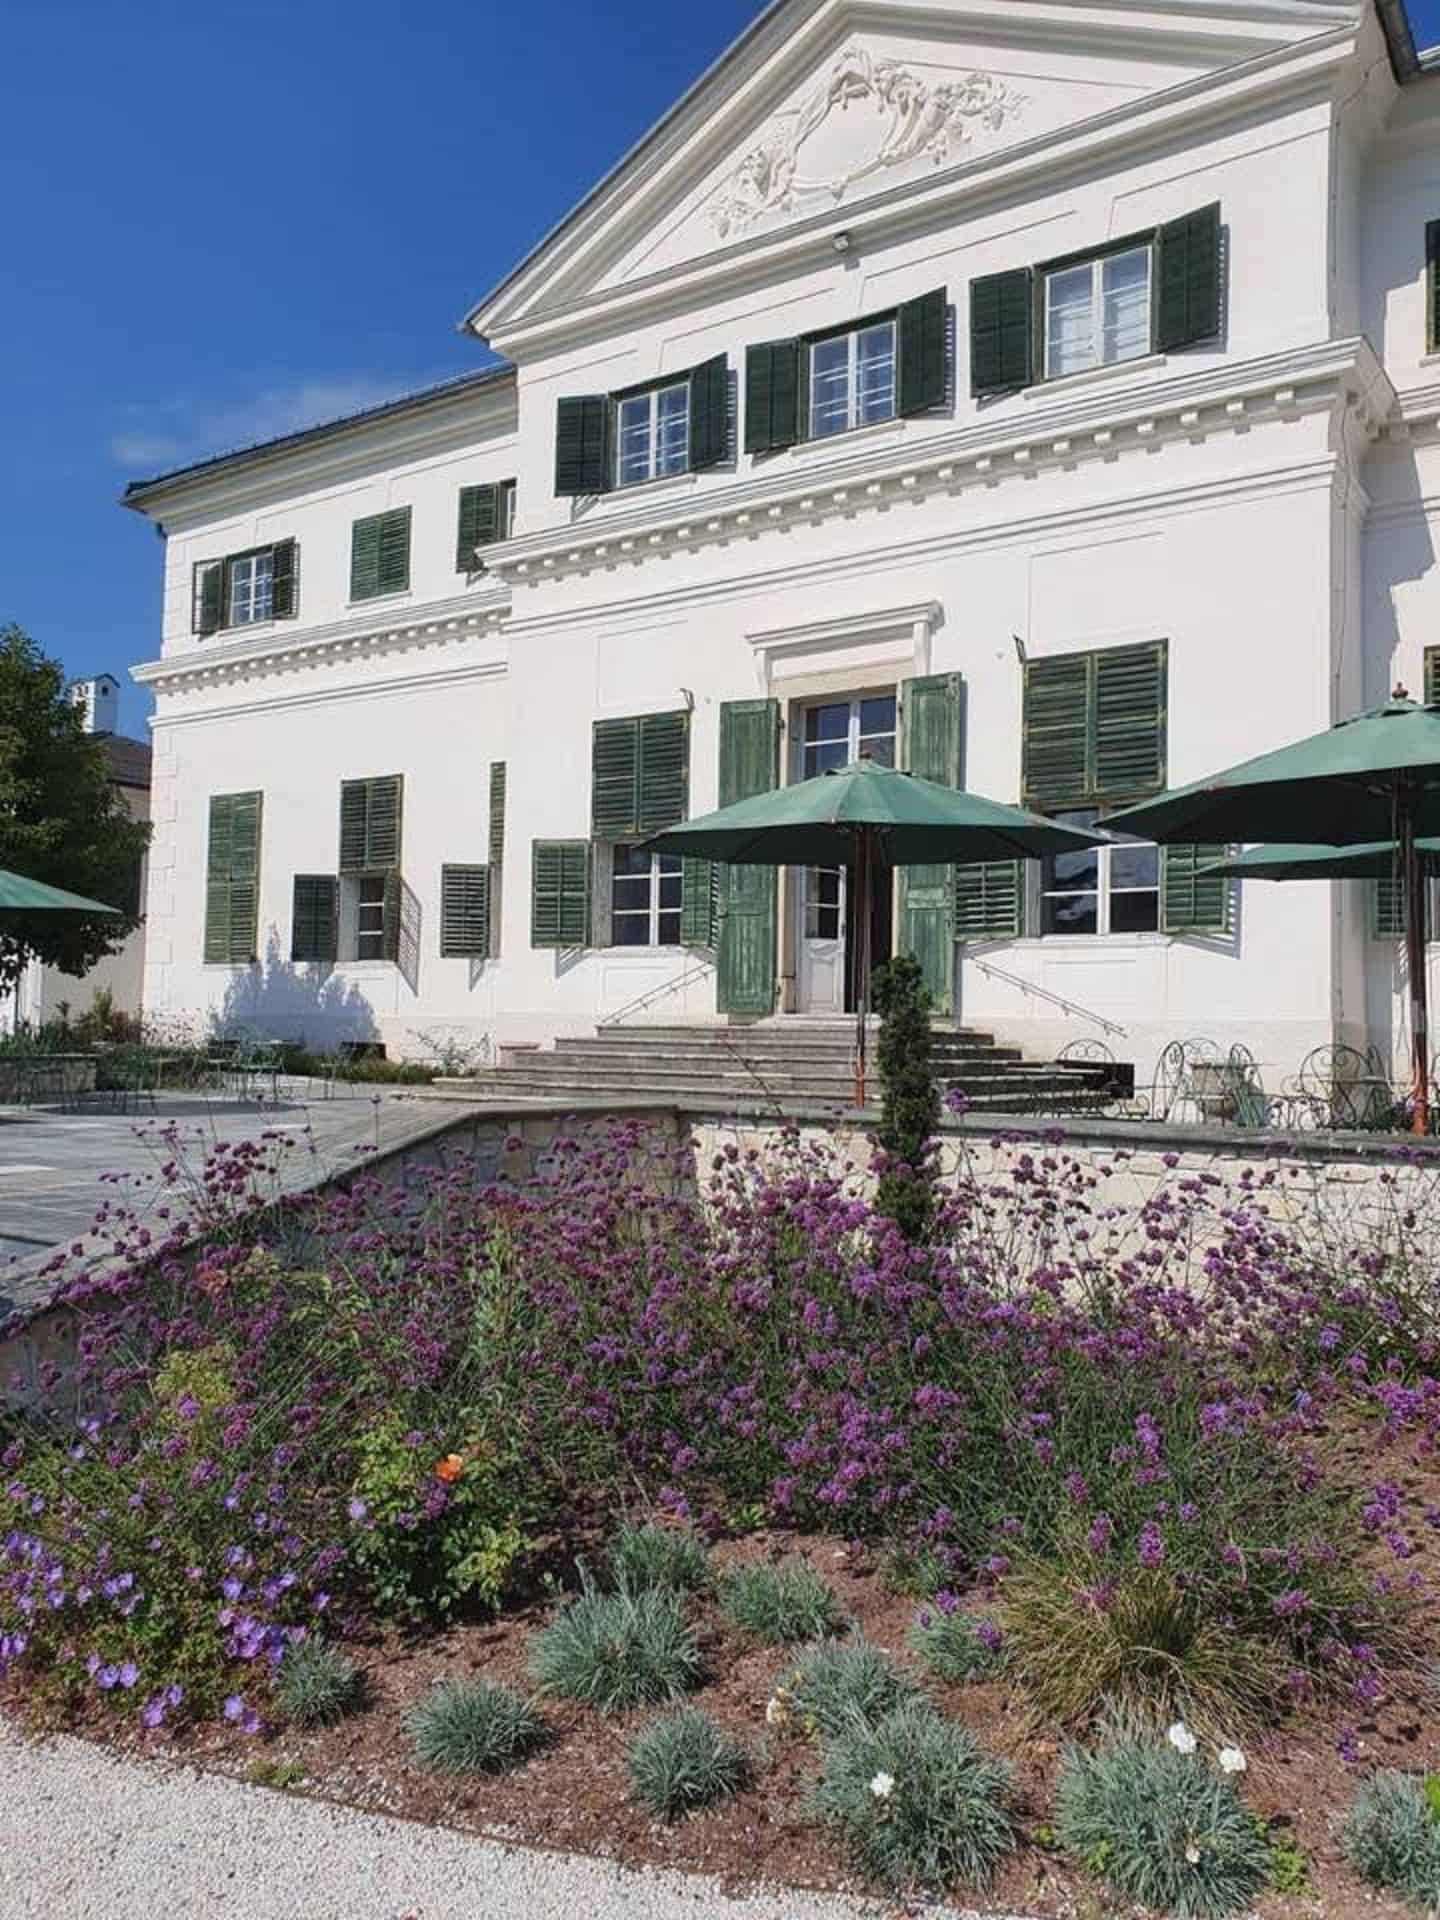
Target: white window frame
{"type": "Point", "coordinates": [1103, 891]}
{"type": "Point", "coordinates": [663, 866]}
{"type": "Point", "coordinates": [852, 337]}
{"type": "Point", "coordinates": [363, 907]}
{"type": "Point", "coordinates": [653, 470]}
{"type": "Point", "coordinates": [250, 617]}
{"type": "Point", "coordinates": [1097, 268]}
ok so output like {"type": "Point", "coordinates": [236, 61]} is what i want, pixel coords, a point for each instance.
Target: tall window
{"type": "Point", "coordinates": [1112, 889]}
{"type": "Point", "coordinates": [645, 898]}
{"type": "Point", "coordinates": [1097, 312]}
{"type": "Point", "coordinates": [652, 434]}
{"type": "Point", "coordinates": [852, 379]}
{"type": "Point", "coordinates": [370, 917]}
{"type": "Point", "coordinates": [250, 583]}
{"type": "Point", "coordinates": [834, 734]}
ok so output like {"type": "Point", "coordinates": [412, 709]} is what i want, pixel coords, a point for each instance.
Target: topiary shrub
{"type": "Point", "coordinates": [1392, 1836]}
{"type": "Point", "coordinates": [617, 1650]}
{"type": "Point", "coordinates": [953, 1644]}
{"type": "Point", "coordinates": [470, 1726]}
{"type": "Point", "coordinates": [317, 1685]}
{"type": "Point", "coordinates": [781, 1605]}
{"type": "Point", "coordinates": [683, 1761]}
{"type": "Point", "coordinates": [840, 1685]}
{"type": "Point", "coordinates": [910, 1102]}
{"type": "Point", "coordinates": [1161, 1828]}
{"type": "Point", "coordinates": [669, 1558]}
{"type": "Point", "coordinates": [917, 1802]}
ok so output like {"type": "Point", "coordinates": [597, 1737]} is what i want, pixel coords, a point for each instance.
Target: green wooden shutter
{"type": "Point", "coordinates": [989, 900]}
{"type": "Point", "coordinates": [1056, 732]}
{"type": "Point", "coordinates": [920, 352]}
{"type": "Point", "coordinates": [232, 879]}
{"type": "Point", "coordinates": [1387, 908]}
{"type": "Point", "coordinates": [1432, 676]}
{"type": "Point", "coordinates": [1187, 276]}
{"type": "Point", "coordinates": [370, 823]}
{"type": "Point", "coordinates": [464, 912]}
{"type": "Point", "coordinates": [1002, 330]}
{"type": "Point", "coordinates": [1191, 900]}
{"type": "Point", "coordinates": [931, 721]}
{"type": "Point", "coordinates": [699, 902]}
{"type": "Point", "coordinates": [1129, 720]}
{"type": "Point", "coordinates": [497, 813]}
{"type": "Point", "coordinates": [477, 523]}
{"type": "Point", "coordinates": [560, 893]}
{"type": "Point", "coordinates": [365, 558]}
{"type": "Point", "coordinates": [1432, 286]}
{"type": "Point", "coordinates": [582, 444]}
{"type": "Point", "coordinates": [395, 550]}
{"type": "Point", "coordinates": [207, 596]}
{"type": "Point", "coordinates": [314, 917]}
{"type": "Point", "coordinates": [709, 413]}
{"type": "Point", "coordinates": [749, 763]}
{"type": "Point", "coordinates": [639, 775]}
{"type": "Point", "coordinates": [772, 395]}
{"type": "Point", "coordinates": [392, 925]}
{"type": "Point", "coordinates": [284, 580]}
{"type": "Point", "coordinates": [614, 778]}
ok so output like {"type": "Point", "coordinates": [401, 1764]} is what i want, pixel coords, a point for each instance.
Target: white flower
{"type": "Point", "coordinates": [1231, 1760]}
{"type": "Point", "coordinates": [777, 1710]}
{"type": "Point", "coordinates": [1192, 1854]}
{"type": "Point", "coordinates": [883, 1785]}
{"type": "Point", "coordinates": [1181, 1738]}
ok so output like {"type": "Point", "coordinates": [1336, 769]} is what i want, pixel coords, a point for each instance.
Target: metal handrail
{"type": "Point", "coordinates": [1044, 993]}
{"type": "Point", "coordinates": [652, 994]}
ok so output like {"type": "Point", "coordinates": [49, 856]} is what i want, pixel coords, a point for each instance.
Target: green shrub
{"type": "Point", "coordinates": [1392, 1837]}
{"type": "Point", "coordinates": [949, 1644]}
{"type": "Point", "coordinates": [670, 1558]}
{"type": "Point", "coordinates": [917, 1802]}
{"type": "Point", "coordinates": [840, 1685]}
{"type": "Point", "coordinates": [683, 1761]}
{"type": "Point", "coordinates": [470, 1726]}
{"type": "Point", "coordinates": [910, 1108]}
{"type": "Point", "coordinates": [1160, 1827]}
{"type": "Point", "coordinates": [618, 1650]}
{"type": "Point", "coordinates": [317, 1685]}
{"type": "Point", "coordinates": [781, 1605]}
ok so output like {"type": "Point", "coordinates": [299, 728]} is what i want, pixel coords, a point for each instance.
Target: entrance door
{"type": "Point", "coordinates": [831, 734]}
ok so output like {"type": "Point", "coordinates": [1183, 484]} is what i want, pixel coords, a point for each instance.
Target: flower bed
{"type": "Point", "coordinates": [1080, 1475]}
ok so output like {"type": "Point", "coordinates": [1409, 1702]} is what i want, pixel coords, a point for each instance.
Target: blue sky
{"type": "Point", "coordinates": [243, 218]}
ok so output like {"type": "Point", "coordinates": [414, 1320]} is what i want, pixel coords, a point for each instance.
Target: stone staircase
{"type": "Point", "coordinates": [775, 1065]}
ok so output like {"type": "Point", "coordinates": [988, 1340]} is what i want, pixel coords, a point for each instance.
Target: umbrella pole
{"type": "Point", "coordinates": [1412, 883]}
{"type": "Point", "coordinates": [863, 885]}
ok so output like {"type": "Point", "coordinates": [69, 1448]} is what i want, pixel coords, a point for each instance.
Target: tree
{"type": "Point", "coordinates": [61, 819]}
{"type": "Point", "coordinates": [910, 1110]}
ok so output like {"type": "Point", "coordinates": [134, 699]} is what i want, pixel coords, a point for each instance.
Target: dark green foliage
{"type": "Point", "coordinates": [781, 1605]}
{"type": "Point", "coordinates": [667, 1558]}
{"type": "Point", "coordinates": [840, 1685]}
{"type": "Point", "coordinates": [948, 1644]}
{"type": "Point", "coordinates": [618, 1650]}
{"type": "Point", "coordinates": [1161, 1828]}
{"type": "Point", "coordinates": [317, 1685]}
{"type": "Point", "coordinates": [1392, 1837]}
{"type": "Point", "coordinates": [61, 820]}
{"type": "Point", "coordinates": [918, 1804]}
{"type": "Point", "coordinates": [910, 1112]}
{"type": "Point", "coordinates": [470, 1726]}
{"type": "Point", "coordinates": [683, 1761]}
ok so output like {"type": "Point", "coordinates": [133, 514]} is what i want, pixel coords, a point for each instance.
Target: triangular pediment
{"type": "Point", "coordinates": [828, 104]}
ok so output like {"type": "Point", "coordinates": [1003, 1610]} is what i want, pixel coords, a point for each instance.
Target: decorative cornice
{"type": "Point", "coordinates": [1098, 425]}
{"type": "Point", "coordinates": [429, 677]}
{"type": "Point", "coordinates": [442, 623]}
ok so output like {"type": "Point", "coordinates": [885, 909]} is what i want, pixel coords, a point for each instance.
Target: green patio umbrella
{"type": "Point", "coordinates": [863, 816]}
{"type": "Point", "coordinates": [1281, 860]}
{"type": "Point", "coordinates": [1369, 779]}
{"type": "Point", "coordinates": [21, 895]}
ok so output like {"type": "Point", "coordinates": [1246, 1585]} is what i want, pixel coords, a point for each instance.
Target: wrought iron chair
{"type": "Point", "coordinates": [1346, 1088]}
{"type": "Point", "coordinates": [1189, 1079]}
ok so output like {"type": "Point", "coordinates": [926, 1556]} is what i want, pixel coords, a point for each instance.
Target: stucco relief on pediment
{"type": "Point", "coordinates": [866, 116]}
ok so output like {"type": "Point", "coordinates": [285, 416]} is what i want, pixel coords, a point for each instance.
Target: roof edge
{"type": "Point", "coordinates": [138, 493]}
{"type": "Point", "coordinates": [1405, 63]}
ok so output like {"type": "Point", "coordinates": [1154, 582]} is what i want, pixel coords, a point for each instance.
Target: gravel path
{"type": "Point", "coordinates": [86, 1836]}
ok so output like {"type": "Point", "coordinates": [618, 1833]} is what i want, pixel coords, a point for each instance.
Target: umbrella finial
{"type": "Point", "coordinates": [1401, 691]}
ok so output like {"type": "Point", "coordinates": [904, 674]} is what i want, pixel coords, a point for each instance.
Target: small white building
{"type": "Point", "coordinates": [1042, 392]}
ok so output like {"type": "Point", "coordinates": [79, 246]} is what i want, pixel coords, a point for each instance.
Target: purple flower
{"type": "Point", "coordinates": [1100, 1533]}
{"type": "Point", "coordinates": [234, 1708]}
{"type": "Point", "coordinates": [357, 1510]}
{"type": "Point", "coordinates": [1150, 1548]}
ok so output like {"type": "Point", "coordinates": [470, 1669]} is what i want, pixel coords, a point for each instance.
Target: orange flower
{"type": "Point", "coordinates": [450, 1468]}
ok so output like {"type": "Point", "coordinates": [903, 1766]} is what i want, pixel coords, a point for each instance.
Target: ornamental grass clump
{"type": "Point", "coordinates": [317, 1685]}
{"type": "Point", "coordinates": [916, 1801]}
{"type": "Point", "coordinates": [682, 1762]}
{"type": "Point", "coordinates": [782, 1606]}
{"type": "Point", "coordinates": [839, 1685]}
{"type": "Point", "coordinates": [672, 1559]}
{"type": "Point", "coordinates": [471, 1726]}
{"type": "Point", "coordinates": [953, 1644]}
{"type": "Point", "coordinates": [1392, 1836]}
{"type": "Point", "coordinates": [1152, 1820]}
{"type": "Point", "coordinates": [618, 1650]}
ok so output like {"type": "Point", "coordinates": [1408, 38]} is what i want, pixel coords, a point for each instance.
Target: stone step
{"type": "Point", "coordinates": [1006, 1097]}
{"type": "Point", "coordinates": [706, 1059]}
{"type": "Point", "coordinates": [799, 1031]}
{"type": "Point", "coordinates": [655, 1078]}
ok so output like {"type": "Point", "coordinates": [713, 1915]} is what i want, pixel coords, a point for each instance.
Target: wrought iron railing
{"type": "Point", "coordinates": [653, 994]}
{"type": "Point", "coordinates": [1044, 993]}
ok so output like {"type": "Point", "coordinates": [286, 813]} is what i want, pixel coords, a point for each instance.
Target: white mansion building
{"type": "Point", "coordinates": [1044, 393]}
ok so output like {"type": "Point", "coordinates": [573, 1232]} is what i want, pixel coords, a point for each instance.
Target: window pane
{"type": "Point", "coordinates": [880, 747]}
{"type": "Point", "coordinates": [1125, 315]}
{"type": "Point", "coordinates": [1070, 872]}
{"type": "Point", "coordinates": [669, 930]}
{"type": "Point", "coordinates": [1070, 912]}
{"type": "Point", "coordinates": [876, 372]}
{"type": "Point", "coordinates": [878, 715]}
{"type": "Point", "coordinates": [630, 929]}
{"type": "Point", "coordinates": [1134, 864]}
{"type": "Point", "coordinates": [1069, 328]}
{"type": "Point", "coordinates": [1134, 912]}
{"type": "Point", "coordinates": [827, 723]}
{"type": "Point", "coordinates": [667, 863]}
{"type": "Point", "coordinates": [634, 440]}
{"type": "Point", "coordinates": [672, 430]}
{"type": "Point", "coordinates": [830, 386]}
{"type": "Point", "coordinates": [825, 755]}
{"type": "Point", "coordinates": [630, 895]}
{"type": "Point", "coordinates": [670, 886]}
{"type": "Point", "coordinates": [629, 860]}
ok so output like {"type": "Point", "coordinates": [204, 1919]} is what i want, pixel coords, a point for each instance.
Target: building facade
{"type": "Point", "coordinates": [1042, 395]}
